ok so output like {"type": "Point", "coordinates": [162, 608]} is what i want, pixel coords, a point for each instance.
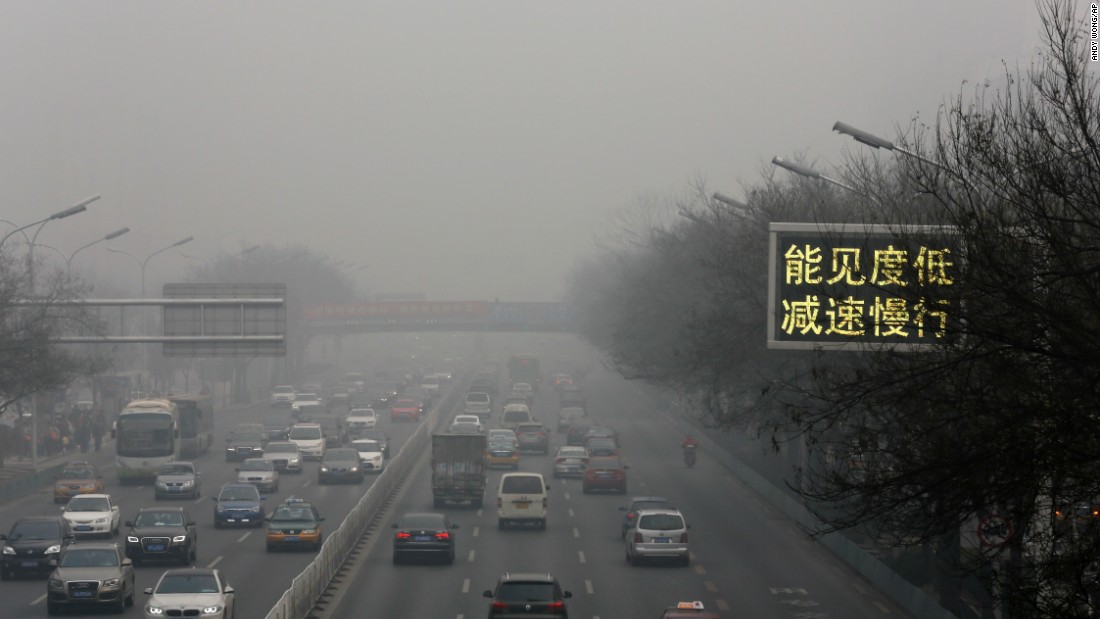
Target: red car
{"type": "Point", "coordinates": [405, 409]}
{"type": "Point", "coordinates": [604, 474]}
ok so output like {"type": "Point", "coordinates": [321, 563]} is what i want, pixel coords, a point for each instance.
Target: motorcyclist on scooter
{"type": "Point", "coordinates": [689, 441]}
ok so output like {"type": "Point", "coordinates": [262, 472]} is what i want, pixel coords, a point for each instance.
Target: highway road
{"type": "Point", "coordinates": [747, 558]}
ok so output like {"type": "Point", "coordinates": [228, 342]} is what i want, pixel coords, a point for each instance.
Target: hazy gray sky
{"type": "Point", "coordinates": [466, 149]}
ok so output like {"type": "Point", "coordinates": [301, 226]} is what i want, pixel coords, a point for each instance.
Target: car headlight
{"type": "Point", "coordinates": [8, 550]}
{"type": "Point", "coordinates": [52, 550]}
{"type": "Point", "coordinates": [56, 583]}
{"type": "Point", "coordinates": [308, 531]}
{"type": "Point", "coordinates": [179, 539]}
{"type": "Point", "coordinates": [220, 508]}
{"type": "Point", "coordinates": [132, 540]}
{"type": "Point", "coordinates": [294, 461]}
{"type": "Point", "coordinates": [100, 521]}
{"type": "Point", "coordinates": [254, 509]}
{"type": "Point", "coordinates": [161, 484]}
{"type": "Point", "coordinates": [111, 582]}
{"type": "Point", "coordinates": [324, 469]}
{"type": "Point", "coordinates": [154, 610]}
{"type": "Point", "coordinates": [212, 610]}
{"type": "Point", "coordinates": [189, 482]}
{"type": "Point", "coordinates": [354, 469]}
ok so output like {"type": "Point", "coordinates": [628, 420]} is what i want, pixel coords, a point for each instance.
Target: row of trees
{"type": "Point", "coordinates": [1001, 418]}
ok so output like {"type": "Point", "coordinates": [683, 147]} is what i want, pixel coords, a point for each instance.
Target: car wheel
{"type": "Point", "coordinates": [451, 558]}
{"type": "Point", "coordinates": [119, 606]}
{"type": "Point", "coordinates": [396, 559]}
{"type": "Point", "coordinates": [686, 561]}
{"type": "Point", "coordinates": [502, 524]}
{"type": "Point", "coordinates": [130, 598]}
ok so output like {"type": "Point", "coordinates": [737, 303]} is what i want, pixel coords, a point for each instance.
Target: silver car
{"type": "Point", "coordinates": [259, 472]}
{"type": "Point", "coordinates": [177, 480]}
{"type": "Point", "coordinates": [91, 574]}
{"type": "Point", "coordinates": [285, 455]}
{"type": "Point", "coordinates": [658, 534]}
{"type": "Point", "coordinates": [190, 592]}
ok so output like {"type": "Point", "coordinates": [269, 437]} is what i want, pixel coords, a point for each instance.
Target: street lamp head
{"type": "Point", "coordinates": [794, 167]}
{"type": "Point", "coordinates": [862, 136]}
{"type": "Point", "coordinates": [183, 241]}
{"type": "Point", "coordinates": [724, 199]}
{"type": "Point", "coordinates": [116, 234]}
{"type": "Point", "coordinates": [249, 250]}
{"type": "Point", "coordinates": [72, 210]}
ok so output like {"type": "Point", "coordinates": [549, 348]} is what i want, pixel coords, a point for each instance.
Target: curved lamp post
{"type": "Point", "coordinates": [876, 142]}
{"type": "Point", "coordinates": [113, 235]}
{"type": "Point", "coordinates": [810, 173]}
{"type": "Point", "coordinates": [79, 207]}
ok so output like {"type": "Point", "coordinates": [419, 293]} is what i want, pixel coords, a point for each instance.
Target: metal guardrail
{"type": "Point", "coordinates": [306, 588]}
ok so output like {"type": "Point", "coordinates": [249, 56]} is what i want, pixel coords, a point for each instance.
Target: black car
{"type": "Point", "coordinates": [340, 464]}
{"type": "Point", "coordinates": [276, 428]}
{"type": "Point", "coordinates": [31, 544]}
{"type": "Point", "coordinates": [525, 595]}
{"type": "Point", "coordinates": [424, 535]}
{"type": "Point", "coordinates": [244, 445]}
{"type": "Point", "coordinates": [162, 534]}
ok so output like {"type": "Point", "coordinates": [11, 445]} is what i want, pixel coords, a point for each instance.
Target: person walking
{"type": "Point", "coordinates": [99, 426]}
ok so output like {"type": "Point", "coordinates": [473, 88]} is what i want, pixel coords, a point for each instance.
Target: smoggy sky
{"type": "Point", "coordinates": [465, 149]}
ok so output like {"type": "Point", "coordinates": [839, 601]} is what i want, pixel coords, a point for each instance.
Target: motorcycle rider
{"type": "Point", "coordinates": [689, 441]}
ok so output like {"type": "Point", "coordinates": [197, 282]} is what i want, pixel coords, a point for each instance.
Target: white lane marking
{"type": "Point", "coordinates": [882, 607]}
{"type": "Point", "coordinates": [571, 514]}
{"type": "Point", "coordinates": [243, 537]}
{"type": "Point", "coordinates": [588, 587]}
{"type": "Point", "coordinates": [307, 483]}
{"type": "Point", "coordinates": [580, 553]}
{"type": "Point", "coordinates": [700, 570]}
{"type": "Point", "coordinates": [576, 532]}
{"type": "Point", "coordinates": [39, 599]}
{"type": "Point", "coordinates": [476, 531]}
{"type": "Point", "coordinates": [710, 586]}
{"type": "Point", "coordinates": [466, 585]}
{"type": "Point", "coordinates": [566, 496]}
{"type": "Point", "coordinates": [858, 588]}
{"type": "Point", "coordinates": [721, 604]}
{"type": "Point", "coordinates": [473, 553]}
{"type": "Point", "coordinates": [479, 512]}
{"type": "Point", "coordinates": [217, 560]}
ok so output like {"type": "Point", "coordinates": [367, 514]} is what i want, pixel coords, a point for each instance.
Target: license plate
{"type": "Point", "coordinates": [522, 505]}
{"type": "Point", "coordinates": [82, 527]}
{"type": "Point", "coordinates": [422, 538]}
{"type": "Point", "coordinates": [30, 564]}
{"type": "Point", "coordinates": [662, 540]}
{"type": "Point", "coordinates": [156, 548]}
{"type": "Point", "coordinates": [290, 538]}
{"type": "Point", "coordinates": [82, 594]}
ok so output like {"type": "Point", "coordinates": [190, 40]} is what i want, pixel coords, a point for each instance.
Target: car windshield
{"type": "Point", "coordinates": [422, 521]}
{"type": "Point", "coordinates": [284, 389]}
{"type": "Point", "coordinates": [361, 412]}
{"type": "Point", "coordinates": [88, 504]}
{"type": "Point", "coordinates": [640, 505]}
{"type": "Point", "coordinates": [478, 398]}
{"type": "Point", "coordinates": [363, 446]}
{"type": "Point", "coordinates": [661, 522]}
{"type": "Point", "coordinates": [247, 437]}
{"type": "Point", "coordinates": [175, 469]}
{"type": "Point", "coordinates": [188, 583]}
{"type": "Point", "coordinates": [257, 465]}
{"type": "Point", "coordinates": [306, 433]}
{"type": "Point", "coordinates": [341, 454]}
{"type": "Point", "coordinates": [526, 592]}
{"type": "Point", "coordinates": [522, 484]}
{"type": "Point", "coordinates": [280, 448]}
{"type": "Point", "coordinates": [89, 557]}
{"type": "Point", "coordinates": [35, 530]}
{"type": "Point", "coordinates": [502, 444]}
{"type": "Point", "coordinates": [287, 513]}
{"type": "Point", "coordinates": [78, 473]}
{"type": "Point", "coordinates": [239, 493]}
{"type": "Point", "coordinates": [159, 519]}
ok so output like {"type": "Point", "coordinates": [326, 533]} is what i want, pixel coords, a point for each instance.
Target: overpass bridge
{"type": "Point", "coordinates": [416, 316]}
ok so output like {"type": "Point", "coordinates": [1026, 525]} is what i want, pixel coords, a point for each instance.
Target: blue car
{"type": "Point", "coordinates": [238, 505]}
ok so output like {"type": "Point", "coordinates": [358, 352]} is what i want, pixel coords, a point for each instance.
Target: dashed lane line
{"type": "Point", "coordinates": [588, 587]}
{"type": "Point", "coordinates": [217, 560]}
{"type": "Point", "coordinates": [721, 604]}
{"type": "Point", "coordinates": [571, 514]}
{"type": "Point", "coordinates": [580, 554]}
{"type": "Point", "coordinates": [476, 531]}
{"type": "Point", "coordinates": [881, 607]}
{"type": "Point", "coordinates": [39, 599]}
{"type": "Point", "coordinates": [710, 586]}
{"type": "Point", "coordinates": [466, 585]}
{"type": "Point", "coordinates": [576, 532]}
{"type": "Point", "coordinates": [470, 558]}
{"type": "Point", "coordinates": [243, 537]}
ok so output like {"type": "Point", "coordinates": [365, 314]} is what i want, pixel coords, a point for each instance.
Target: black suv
{"type": "Point", "coordinates": [523, 595]}
{"type": "Point", "coordinates": [244, 445]}
{"type": "Point", "coordinates": [162, 534]}
{"type": "Point", "coordinates": [32, 543]}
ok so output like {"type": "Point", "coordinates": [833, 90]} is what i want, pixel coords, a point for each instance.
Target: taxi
{"type": "Point", "coordinates": [78, 477]}
{"type": "Point", "coordinates": [689, 610]}
{"type": "Point", "coordinates": [502, 452]}
{"type": "Point", "coordinates": [294, 524]}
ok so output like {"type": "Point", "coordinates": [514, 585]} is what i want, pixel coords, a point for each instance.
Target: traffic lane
{"type": "Point", "coordinates": [744, 549]}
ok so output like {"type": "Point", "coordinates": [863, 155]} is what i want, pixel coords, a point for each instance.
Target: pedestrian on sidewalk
{"type": "Point", "coordinates": [99, 426]}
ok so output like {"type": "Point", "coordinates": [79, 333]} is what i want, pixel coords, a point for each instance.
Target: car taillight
{"type": "Point", "coordinates": [558, 608]}
{"type": "Point", "coordinates": [684, 538]}
{"type": "Point", "coordinates": [630, 516]}
{"type": "Point", "coordinates": [443, 535]}
{"type": "Point", "coordinates": [638, 538]}
{"type": "Point", "coordinates": [403, 535]}
{"type": "Point", "coordinates": [498, 605]}
{"type": "Point", "coordinates": [559, 460]}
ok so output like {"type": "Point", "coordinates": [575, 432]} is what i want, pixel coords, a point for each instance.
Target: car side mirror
{"type": "Point", "coordinates": [190, 523]}
{"type": "Point", "coordinates": [547, 486]}
{"type": "Point", "coordinates": [214, 498]}
{"type": "Point", "coordinates": [148, 591]}
{"type": "Point", "coordinates": [229, 590]}
{"type": "Point", "coordinates": [263, 498]}
{"type": "Point", "coordinates": [487, 594]}
{"type": "Point", "coordinates": [127, 561]}
{"type": "Point", "coordinates": [128, 523]}
{"type": "Point", "coordinates": [566, 594]}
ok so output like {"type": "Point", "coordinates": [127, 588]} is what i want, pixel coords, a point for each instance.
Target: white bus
{"type": "Point", "coordinates": [147, 435]}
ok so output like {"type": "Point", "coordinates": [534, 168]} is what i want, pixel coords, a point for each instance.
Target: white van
{"type": "Point", "coordinates": [522, 500]}
{"type": "Point", "coordinates": [478, 403]}
{"type": "Point", "coordinates": [515, 414]}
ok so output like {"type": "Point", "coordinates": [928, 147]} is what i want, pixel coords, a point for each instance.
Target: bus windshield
{"type": "Point", "coordinates": [145, 435]}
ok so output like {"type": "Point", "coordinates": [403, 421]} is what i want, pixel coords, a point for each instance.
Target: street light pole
{"type": "Point", "coordinates": [876, 142]}
{"type": "Point", "coordinates": [111, 236]}
{"type": "Point", "coordinates": [79, 207]}
{"type": "Point", "coordinates": [807, 172]}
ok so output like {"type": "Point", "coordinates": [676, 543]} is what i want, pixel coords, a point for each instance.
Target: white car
{"type": "Point", "coordinates": [497, 434]}
{"type": "Point", "coordinates": [309, 438]}
{"type": "Point", "coordinates": [283, 395]}
{"type": "Point", "coordinates": [469, 419]}
{"type": "Point", "coordinates": [92, 514]}
{"type": "Point", "coordinates": [190, 592]}
{"type": "Point", "coordinates": [361, 419]}
{"type": "Point", "coordinates": [523, 389]}
{"type": "Point", "coordinates": [371, 458]}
